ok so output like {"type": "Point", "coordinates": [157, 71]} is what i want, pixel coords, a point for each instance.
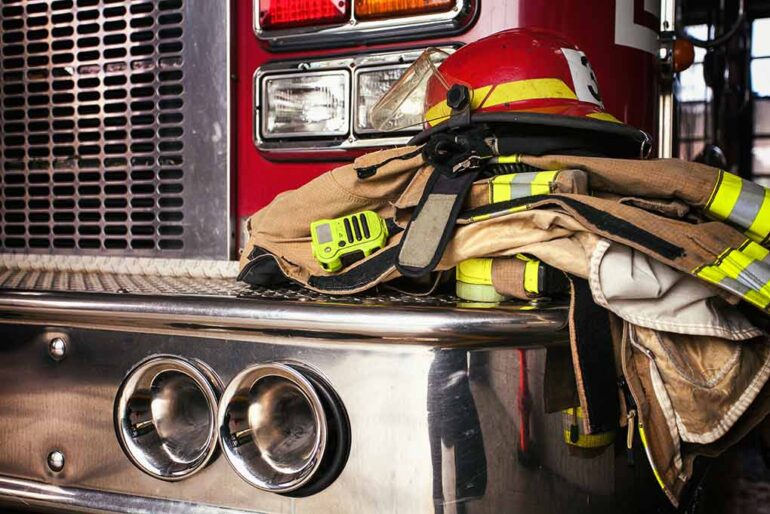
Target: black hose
{"type": "Point", "coordinates": [717, 41]}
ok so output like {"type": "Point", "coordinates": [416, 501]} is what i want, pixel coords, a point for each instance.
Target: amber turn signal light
{"type": "Point", "coordinates": [370, 9]}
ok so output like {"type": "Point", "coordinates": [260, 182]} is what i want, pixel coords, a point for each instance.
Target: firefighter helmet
{"type": "Point", "coordinates": [520, 70]}
{"type": "Point", "coordinates": [519, 76]}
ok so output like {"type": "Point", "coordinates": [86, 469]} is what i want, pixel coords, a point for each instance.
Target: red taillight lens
{"type": "Point", "coordinates": [368, 9]}
{"type": "Point", "coordinates": [275, 14]}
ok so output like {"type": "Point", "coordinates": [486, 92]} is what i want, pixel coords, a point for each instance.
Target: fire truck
{"type": "Point", "coordinates": [137, 375]}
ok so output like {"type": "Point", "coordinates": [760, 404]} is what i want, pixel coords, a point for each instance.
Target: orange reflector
{"type": "Point", "coordinates": [369, 9]}
{"type": "Point", "coordinates": [684, 55]}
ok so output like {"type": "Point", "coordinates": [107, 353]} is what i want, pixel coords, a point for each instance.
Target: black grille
{"type": "Point", "coordinates": [92, 126]}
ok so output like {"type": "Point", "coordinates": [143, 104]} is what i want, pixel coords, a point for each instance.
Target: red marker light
{"type": "Point", "coordinates": [280, 14]}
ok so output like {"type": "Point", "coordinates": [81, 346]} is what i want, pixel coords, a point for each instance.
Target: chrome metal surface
{"type": "Point", "coordinates": [38, 496]}
{"type": "Point", "coordinates": [440, 318]}
{"type": "Point", "coordinates": [165, 416]}
{"type": "Point", "coordinates": [55, 461]}
{"type": "Point", "coordinates": [434, 428]}
{"type": "Point", "coordinates": [115, 126]}
{"type": "Point", "coordinates": [352, 138]}
{"type": "Point", "coordinates": [665, 141]}
{"type": "Point", "coordinates": [57, 348]}
{"type": "Point", "coordinates": [361, 31]}
{"type": "Point", "coordinates": [273, 427]}
{"type": "Point", "coordinates": [102, 282]}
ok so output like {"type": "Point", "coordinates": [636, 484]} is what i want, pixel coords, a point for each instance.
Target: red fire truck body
{"type": "Point", "coordinates": [137, 375]}
{"type": "Point", "coordinates": [620, 40]}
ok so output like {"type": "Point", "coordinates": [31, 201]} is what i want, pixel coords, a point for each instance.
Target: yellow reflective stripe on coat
{"type": "Point", "coordinates": [744, 271]}
{"type": "Point", "coordinates": [744, 203]}
{"type": "Point", "coordinates": [643, 437]}
{"type": "Point", "coordinates": [504, 212]}
{"type": "Point", "coordinates": [532, 277]}
{"type": "Point", "coordinates": [518, 185]}
{"type": "Point", "coordinates": [506, 159]}
{"type": "Point", "coordinates": [508, 92]}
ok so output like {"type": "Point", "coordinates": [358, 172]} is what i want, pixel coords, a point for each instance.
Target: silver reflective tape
{"type": "Point", "coordinates": [747, 207]}
{"type": "Point", "coordinates": [520, 190]}
{"type": "Point", "coordinates": [734, 286]}
{"type": "Point", "coordinates": [756, 275]}
{"type": "Point", "coordinates": [524, 178]}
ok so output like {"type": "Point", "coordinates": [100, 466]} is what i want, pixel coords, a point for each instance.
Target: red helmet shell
{"type": "Point", "coordinates": [519, 70]}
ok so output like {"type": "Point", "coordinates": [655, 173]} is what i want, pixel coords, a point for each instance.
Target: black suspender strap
{"type": "Point", "coordinates": [457, 159]}
{"type": "Point", "coordinates": [433, 222]}
{"type": "Point", "coordinates": [593, 359]}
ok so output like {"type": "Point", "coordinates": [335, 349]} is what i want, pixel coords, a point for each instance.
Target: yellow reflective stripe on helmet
{"type": "Point", "coordinates": [532, 277]}
{"type": "Point", "coordinates": [743, 203]}
{"type": "Point", "coordinates": [441, 111]}
{"type": "Point", "coordinates": [604, 116]}
{"type": "Point", "coordinates": [475, 271]}
{"type": "Point", "coordinates": [531, 89]}
{"type": "Point", "coordinates": [508, 92]}
{"type": "Point", "coordinates": [518, 185]}
{"type": "Point", "coordinates": [744, 272]}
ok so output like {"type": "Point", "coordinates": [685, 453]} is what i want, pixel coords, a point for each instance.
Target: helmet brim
{"type": "Point", "coordinates": [609, 138]}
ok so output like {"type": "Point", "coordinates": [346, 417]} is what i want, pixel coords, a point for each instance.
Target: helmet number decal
{"type": "Point", "coordinates": [583, 77]}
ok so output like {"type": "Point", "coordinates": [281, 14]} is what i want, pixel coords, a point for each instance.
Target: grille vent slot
{"type": "Point", "coordinates": [92, 143]}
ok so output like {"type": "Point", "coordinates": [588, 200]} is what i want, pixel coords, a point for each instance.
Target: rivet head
{"type": "Point", "coordinates": [56, 461]}
{"type": "Point", "coordinates": [57, 348]}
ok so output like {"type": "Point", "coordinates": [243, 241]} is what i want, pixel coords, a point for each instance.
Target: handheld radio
{"type": "Point", "coordinates": [342, 241]}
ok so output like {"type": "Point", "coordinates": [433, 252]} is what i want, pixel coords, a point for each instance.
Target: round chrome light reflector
{"type": "Point", "coordinates": [165, 416]}
{"type": "Point", "coordinates": [282, 429]}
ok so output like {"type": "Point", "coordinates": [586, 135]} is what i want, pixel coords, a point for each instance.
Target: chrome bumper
{"type": "Point", "coordinates": [445, 401]}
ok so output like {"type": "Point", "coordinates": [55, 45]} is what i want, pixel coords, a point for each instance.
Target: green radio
{"type": "Point", "coordinates": [342, 241]}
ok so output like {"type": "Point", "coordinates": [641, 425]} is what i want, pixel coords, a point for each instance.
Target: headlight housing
{"type": "Point", "coordinates": [306, 105]}
{"type": "Point", "coordinates": [372, 84]}
{"type": "Point", "coordinates": [311, 106]}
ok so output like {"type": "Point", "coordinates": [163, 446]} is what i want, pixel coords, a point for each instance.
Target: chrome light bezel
{"type": "Point", "coordinates": [354, 31]}
{"type": "Point", "coordinates": [137, 381]}
{"type": "Point", "coordinates": [239, 387]}
{"type": "Point", "coordinates": [352, 139]}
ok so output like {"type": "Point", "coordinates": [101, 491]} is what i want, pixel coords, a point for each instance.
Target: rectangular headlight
{"type": "Point", "coordinates": [372, 85]}
{"type": "Point", "coordinates": [309, 105]}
